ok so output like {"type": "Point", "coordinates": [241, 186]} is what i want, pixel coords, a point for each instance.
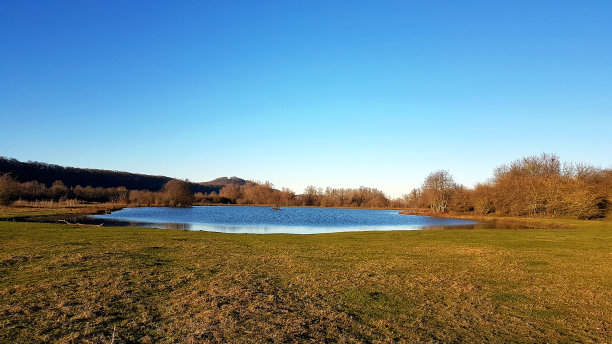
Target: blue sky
{"type": "Point", "coordinates": [324, 93]}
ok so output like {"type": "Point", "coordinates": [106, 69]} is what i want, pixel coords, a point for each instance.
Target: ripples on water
{"type": "Point", "coordinates": [265, 220]}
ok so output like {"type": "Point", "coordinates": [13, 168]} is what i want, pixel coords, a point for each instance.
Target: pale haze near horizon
{"type": "Point", "coordinates": [317, 93]}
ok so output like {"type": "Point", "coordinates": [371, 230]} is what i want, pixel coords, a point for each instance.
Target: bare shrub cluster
{"type": "Point", "coordinates": [174, 193]}
{"type": "Point", "coordinates": [253, 193]}
{"type": "Point", "coordinates": [531, 186]}
{"type": "Point", "coordinates": [33, 191]}
{"type": "Point", "coordinates": [362, 197]}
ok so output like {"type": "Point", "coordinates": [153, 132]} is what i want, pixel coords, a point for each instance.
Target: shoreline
{"type": "Point", "coordinates": [61, 212]}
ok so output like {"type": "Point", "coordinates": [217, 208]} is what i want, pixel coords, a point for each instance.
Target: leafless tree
{"type": "Point", "coordinates": [437, 190]}
{"type": "Point", "coordinates": [178, 193]}
{"type": "Point", "coordinates": [7, 189]}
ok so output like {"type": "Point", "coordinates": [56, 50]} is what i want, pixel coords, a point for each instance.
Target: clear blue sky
{"type": "Point", "coordinates": [340, 94]}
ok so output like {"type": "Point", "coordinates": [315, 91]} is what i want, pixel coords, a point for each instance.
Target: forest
{"type": "Point", "coordinates": [531, 186]}
{"type": "Point", "coordinates": [72, 177]}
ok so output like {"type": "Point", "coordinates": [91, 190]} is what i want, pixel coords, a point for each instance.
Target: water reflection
{"type": "Point", "coordinates": [275, 229]}
{"type": "Point", "coordinates": [297, 229]}
{"type": "Point", "coordinates": [483, 225]}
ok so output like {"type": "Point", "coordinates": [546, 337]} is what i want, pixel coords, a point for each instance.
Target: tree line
{"type": "Point", "coordinates": [180, 193]}
{"type": "Point", "coordinates": [531, 186]}
{"type": "Point", "coordinates": [173, 193]}
{"type": "Point", "coordinates": [72, 177]}
{"type": "Point", "coordinates": [252, 193]}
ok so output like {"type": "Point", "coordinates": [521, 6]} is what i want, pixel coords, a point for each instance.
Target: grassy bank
{"type": "Point", "coordinates": [46, 210]}
{"type": "Point", "coordinates": [77, 284]}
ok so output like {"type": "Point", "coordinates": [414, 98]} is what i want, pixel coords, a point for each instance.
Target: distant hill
{"type": "Point", "coordinates": [222, 181]}
{"type": "Point", "coordinates": [73, 176]}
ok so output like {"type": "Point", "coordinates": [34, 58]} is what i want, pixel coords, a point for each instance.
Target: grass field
{"type": "Point", "coordinates": [62, 283]}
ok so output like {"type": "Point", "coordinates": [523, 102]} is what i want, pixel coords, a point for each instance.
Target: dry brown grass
{"type": "Point", "coordinates": [65, 284]}
{"type": "Point", "coordinates": [20, 211]}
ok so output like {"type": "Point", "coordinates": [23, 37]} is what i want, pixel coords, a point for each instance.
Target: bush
{"type": "Point", "coordinates": [8, 189]}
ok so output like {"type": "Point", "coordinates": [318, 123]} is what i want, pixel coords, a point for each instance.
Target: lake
{"type": "Point", "coordinates": [265, 220]}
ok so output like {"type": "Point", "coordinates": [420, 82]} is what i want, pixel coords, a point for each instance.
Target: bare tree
{"type": "Point", "coordinates": [230, 192]}
{"type": "Point", "coordinates": [58, 189]}
{"type": "Point", "coordinates": [312, 196]}
{"type": "Point", "coordinates": [7, 189]}
{"type": "Point", "coordinates": [437, 190]}
{"type": "Point", "coordinates": [178, 193]}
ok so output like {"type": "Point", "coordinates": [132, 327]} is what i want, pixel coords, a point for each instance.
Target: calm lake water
{"type": "Point", "coordinates": [265, 220]}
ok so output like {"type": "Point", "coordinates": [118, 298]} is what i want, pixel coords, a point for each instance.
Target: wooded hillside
{"type": "Point", "coordinates": [71, 177]}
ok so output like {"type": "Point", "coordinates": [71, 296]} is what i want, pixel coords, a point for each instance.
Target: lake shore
{"type": "Point", "coordinates": [526, 222]}
{"type": "Point", "coordinates": [62, 211]}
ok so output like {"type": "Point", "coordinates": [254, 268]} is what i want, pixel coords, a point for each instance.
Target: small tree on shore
{"type": "Point", "coordinates": [178, 193]}
{"type": "Point", "coordinates": [58, 189]}
{"type": "Point", "coordinates": [7, 189]}
{"type": "Point", "coordinates": [231, 192]}
{"type": "Point", "coordinates": [437, 190]}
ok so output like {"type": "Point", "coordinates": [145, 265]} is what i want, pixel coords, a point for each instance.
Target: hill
{"type": "Point", "coordinates": [73, 176]}
{"type": "Point", "coordinates": [222, 181]}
